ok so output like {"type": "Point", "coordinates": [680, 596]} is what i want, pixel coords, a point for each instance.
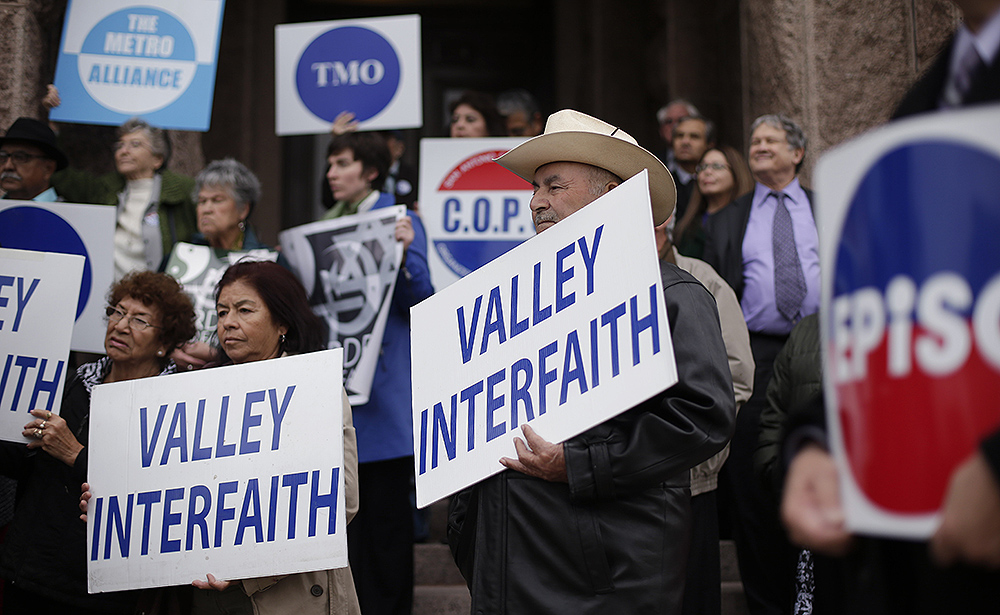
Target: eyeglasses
{"type": "Point", "coordinates": [134, 322]}
{"type": "Point", "coordinates": [18, 157]}
{"type": "Point", "coordinates": [715, 166]}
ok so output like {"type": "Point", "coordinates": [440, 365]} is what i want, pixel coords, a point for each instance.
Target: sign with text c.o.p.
{"type": "Point", "coordinates": [37, 300]}
{"type": "Point", "coordinates": [69, 228]}
{"type": "Point", "coordinates": [369, 67]}
{"type": "Point", "coordinates": [155, 59]}
{"type": "Point", "coordinates": [564, 332]}
{"type": "Point", "coordinates": [474, 210]}
{"type": "Point", "coordinates": [910, 215]}
{"type": "Point", "coordinates": [236, 471]}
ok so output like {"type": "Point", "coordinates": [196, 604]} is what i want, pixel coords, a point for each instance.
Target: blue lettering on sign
{"type": "Point", "coordinates": [348, 69]}
{"type": "Point", "coordinates": [33, 228]}
{"type": "Point", "coordinates": [561, 365]}
{"type": "Point", "coordinates": [478, 229]}
{"type": "Point", "coordinates": [16, 369]}
{"type": "Point", "coordinates": [177, 435]}
{"type": "Point", "coordinates": [193, 510]}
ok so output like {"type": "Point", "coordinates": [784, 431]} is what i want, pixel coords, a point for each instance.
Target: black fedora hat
{"type": "Point", "coordinates": [28, 130]}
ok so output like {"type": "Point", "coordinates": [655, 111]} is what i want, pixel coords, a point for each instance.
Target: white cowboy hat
{"type": "Point", "coordinates": [571, 136]}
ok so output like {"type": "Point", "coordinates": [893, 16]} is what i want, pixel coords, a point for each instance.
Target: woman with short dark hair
{"type": "Point", "coordinates": [264, 314]}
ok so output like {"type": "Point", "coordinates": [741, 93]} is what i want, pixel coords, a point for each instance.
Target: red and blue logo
{"type": "Point", "coordinates": [484, 214]}
{"type": "Point", "coordinates": [915, 320]}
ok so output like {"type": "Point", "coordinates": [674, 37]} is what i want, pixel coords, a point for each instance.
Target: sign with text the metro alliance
{"type": "Point", "coordinates": [910, 214]}
{"type": "Point", "coordinates": [564, 332]}
{"type": "Point", "coordinates": [236, 471]}
{"type": "Point", "coordinates": [154, 59]}
{"type": "Point", "coordinates": [369, 67]}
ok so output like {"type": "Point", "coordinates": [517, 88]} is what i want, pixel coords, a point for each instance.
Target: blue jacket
{"type": "Point", "coordinates": [384, 425]}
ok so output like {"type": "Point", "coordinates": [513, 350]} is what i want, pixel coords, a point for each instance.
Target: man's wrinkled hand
{"type": "Point", "coordinates": [538, 457]}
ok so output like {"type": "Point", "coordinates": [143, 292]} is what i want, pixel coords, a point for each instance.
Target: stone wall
{"type": "Point", "coordinates": [838, 67]}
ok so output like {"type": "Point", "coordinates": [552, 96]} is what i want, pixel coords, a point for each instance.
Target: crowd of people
{"type": "Point", "coordinates": [625, 517]}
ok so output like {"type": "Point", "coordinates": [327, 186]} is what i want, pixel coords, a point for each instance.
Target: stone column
{"type": "Point", "coordinates": [837, 67]}
{"type": "Point", "coordinates": [26, 27]}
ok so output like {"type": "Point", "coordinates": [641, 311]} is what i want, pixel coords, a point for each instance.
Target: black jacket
{"type": "Point", "coordinates": [614, 539]}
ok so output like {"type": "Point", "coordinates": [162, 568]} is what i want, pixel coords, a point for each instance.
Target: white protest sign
{"type": "Point", "coordinates": [474, 210]}
{"type": "Point", "coordinates": [564, 331]}
{"type": "Point", "coordinates": [349, 267]}
{"type": "Point", "coordinates": [199, 269]}
{"type": "Point", "coordinates": [155, 59]}
{"type": "Point", "coordinates": [235, 471]}
{"type": "Point", "coordinates": [69, 228]}
{"type": "Point", "coordinates": [370, 67]}
{"type": "Point", "coordinates": [911, 312]}
{"type": "Point", "coordinates": [38, 294]}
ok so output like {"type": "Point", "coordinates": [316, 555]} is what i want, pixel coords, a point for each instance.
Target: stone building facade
{"type": "Point", "coordinates": [836, 66]}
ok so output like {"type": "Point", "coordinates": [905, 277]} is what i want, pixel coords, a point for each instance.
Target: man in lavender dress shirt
{"type": "Point", "coordinates": [765, 246]}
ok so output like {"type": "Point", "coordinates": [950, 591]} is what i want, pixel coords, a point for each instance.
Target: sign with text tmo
{"type": "Point", "coordinates": [369, 67]}
{"type": "Point", "coordinates": [474, 210]}
{"type": "Point", "coordinates": [910, 214]}
{"type": "Point", "coordinates": [155, 59]}
{"type": "Point", "coordinates": [235, 471]}
{"type": "Point", "coordinates": [37, 301]}
{"type": "Point", "coordinates": [69, 228]}
{"type": "Point", "coordinates": [564, 332]}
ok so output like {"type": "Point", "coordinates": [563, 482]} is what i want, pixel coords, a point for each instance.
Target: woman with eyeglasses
{"type": "Point", "coordinates": [43, 558]}
{"type": "Point", "coordinates": [155, 208]}
{"type": "Point", "coordinates": [722, 176]}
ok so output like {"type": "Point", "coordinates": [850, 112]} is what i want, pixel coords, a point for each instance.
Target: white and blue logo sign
{"type": "Point", "coordinates": [66, 228]}
{"type": "Point", "coordinates": [156, 61]}
{"type": "Point", "coordinates": [913, 317]}
{"type": "Point", "coordinates": [333, 76]}
{"type": "Point", "coordinates": [370, 68]}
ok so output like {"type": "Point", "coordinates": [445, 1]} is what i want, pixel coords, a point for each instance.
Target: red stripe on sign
{"type": "Point", "coordinates": [479, 172]}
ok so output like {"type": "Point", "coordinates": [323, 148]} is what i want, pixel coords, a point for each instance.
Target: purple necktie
{"type": "Point", "coordinates": [789, 282]}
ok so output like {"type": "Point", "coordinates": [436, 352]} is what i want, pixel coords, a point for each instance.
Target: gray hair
{"type": "Point", "coordinates": [793, 132]}
{"type": "Point", "coordinates": [159, 142]}
{"type": "Point", "coordinates": [661, 114]}
{"type": "Point", "coordinates": [600, 177]}
{"type": "Point", "coordinates": [232, 176]}
{"type": "Point", "coordinates": [513, 101]}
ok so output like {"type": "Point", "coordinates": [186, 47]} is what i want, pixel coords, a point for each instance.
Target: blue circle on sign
{"type": "Point", "coordinates": [140, 32]}
{"type": "Point", "coordinates": [348, 69]}
{"type": "Point", "coordinates": [40, 230]}
{"type": "Point", "coordinates": [921, 209]}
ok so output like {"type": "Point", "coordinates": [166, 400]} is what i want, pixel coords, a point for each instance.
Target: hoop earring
{"type": "Point", "coordinates": [282, 338]}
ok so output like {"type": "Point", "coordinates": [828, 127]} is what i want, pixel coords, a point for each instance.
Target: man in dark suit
{"type": "Point", "coordinates": [941, 87]}
{"type": "Point", "coordinates": [692, 137]}
{"type": "Point", "coordinates": [765, 246]}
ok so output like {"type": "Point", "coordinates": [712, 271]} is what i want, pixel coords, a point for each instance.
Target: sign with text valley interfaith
{"type": "Point", "coordinates": [564, 332]}
{"type": "Point", "coordinates": [235, 471]}
{"type": "Point", "coordinates": [38, 292]}
{"type": "Point", "coordinates": [910, 215]}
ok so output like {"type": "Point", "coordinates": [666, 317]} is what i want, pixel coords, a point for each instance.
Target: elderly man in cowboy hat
{"type": "Point", "coordinates": [28, 158]}
{"type": "Point", "coordinates": [600, 523]}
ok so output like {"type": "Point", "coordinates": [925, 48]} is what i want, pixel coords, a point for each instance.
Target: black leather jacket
{"type": "Point", "coordinates": [614, 539]}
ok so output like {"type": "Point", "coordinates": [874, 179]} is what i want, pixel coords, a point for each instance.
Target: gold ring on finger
{"type": "Point", "coordinates": [39, 433]}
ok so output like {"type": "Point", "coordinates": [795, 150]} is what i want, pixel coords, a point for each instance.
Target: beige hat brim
{"type": "Point", "coordinates": [622, 158]}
